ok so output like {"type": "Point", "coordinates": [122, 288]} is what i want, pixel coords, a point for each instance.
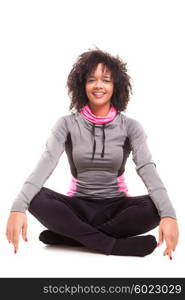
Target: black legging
{"type": "Point", "coordinates": [95, 223]}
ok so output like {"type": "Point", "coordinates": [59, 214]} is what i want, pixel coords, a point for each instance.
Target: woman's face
{"type": "Point", "coordinates": [99, 86]}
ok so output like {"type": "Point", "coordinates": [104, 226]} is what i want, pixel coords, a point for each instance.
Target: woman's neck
{"type": "Point", "coordinates": [100, 111]}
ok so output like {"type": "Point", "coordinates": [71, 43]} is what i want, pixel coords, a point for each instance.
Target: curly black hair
{"type": "Point", "coordinates": [85, 64]}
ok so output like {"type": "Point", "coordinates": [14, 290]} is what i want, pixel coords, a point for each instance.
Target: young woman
{"type": "Point", "coordinates": [97, 211]}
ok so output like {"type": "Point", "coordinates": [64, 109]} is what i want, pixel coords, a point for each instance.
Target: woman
{"type": "Point", "coordinates": [97, 212]}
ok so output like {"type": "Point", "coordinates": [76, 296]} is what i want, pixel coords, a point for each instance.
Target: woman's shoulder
{"type": "Point", "coordinates": [132, 124]}
{"type": "Point", "coordinates": [65, 122]}
{"type": "Point", "coordinates": [129, 121]}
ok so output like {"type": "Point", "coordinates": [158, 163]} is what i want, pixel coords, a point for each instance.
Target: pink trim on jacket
{"type": "Point", "coordinates": [72, 188]}
{"type": "Point", "coordinates": [87, 113]}
{"type": "Point", "coordinates": [122, 185]}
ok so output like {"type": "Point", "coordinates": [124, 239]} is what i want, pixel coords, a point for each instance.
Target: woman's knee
{"type": "Point", "coordinates": [151, 215]}
{"type": "Point", "coordinates": [37, 200]}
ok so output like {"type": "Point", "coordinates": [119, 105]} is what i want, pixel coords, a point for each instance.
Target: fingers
{"type": "Point", "coordinates": [8, 236]}
{"type": "Point", "coordinates": [24, 232]}
{"type": "Point", "coordinates": [168, 252]}
{"type": "Point", "coordinates": [170, 246]}
{"type": "Point", "coordinates": [168, 231]}
{"type": "Point", "coordinates": [16, 223]}
{"type": "Point", "coordinates": [13, 237]}
{"type": "Point", "coordinates": [15, 242]}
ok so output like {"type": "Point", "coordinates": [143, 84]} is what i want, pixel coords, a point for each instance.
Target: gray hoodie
{"type": "Point", "coordinates": [97, 155]}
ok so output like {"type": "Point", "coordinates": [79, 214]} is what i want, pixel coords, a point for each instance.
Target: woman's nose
{"type": "Point", "coordinates": [98, 83]}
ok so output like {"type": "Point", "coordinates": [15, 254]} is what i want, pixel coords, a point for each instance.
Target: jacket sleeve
{"type": "Point", "coordinates": [48, 161]}
{"type": "Point", "coordinates": [146, 169]}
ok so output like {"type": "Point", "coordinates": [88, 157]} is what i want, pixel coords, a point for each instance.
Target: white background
{"type": "Point", "coordinates": [40, 41]}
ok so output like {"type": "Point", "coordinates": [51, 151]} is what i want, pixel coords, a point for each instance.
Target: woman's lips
{"type": "Point", "coordinates": [98, 95]}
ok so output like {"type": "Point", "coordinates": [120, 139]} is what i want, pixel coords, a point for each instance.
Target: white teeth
{"type": "Point", "coordinates": [98, 94]}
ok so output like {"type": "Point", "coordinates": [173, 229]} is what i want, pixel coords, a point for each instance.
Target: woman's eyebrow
{"type": "Point", "coordinates": [109, 76]}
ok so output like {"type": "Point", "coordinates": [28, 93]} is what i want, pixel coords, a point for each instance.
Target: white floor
{"type": "Point", "coordinates": [35, 259]}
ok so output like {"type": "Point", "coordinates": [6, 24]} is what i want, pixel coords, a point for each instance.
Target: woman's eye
{"type": "Point", "coordinates": [90, 80]}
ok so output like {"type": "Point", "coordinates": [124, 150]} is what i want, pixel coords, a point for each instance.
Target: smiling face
{"type": "Point", "coordinates": [99, 88]}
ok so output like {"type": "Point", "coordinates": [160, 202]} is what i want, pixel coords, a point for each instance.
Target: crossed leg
{"type": "Point", "coordinates": [130, 216]}
{"type": "Point", "coordinates": [125, 217]}
{"type": "Point", "coordinates": [56, 214]}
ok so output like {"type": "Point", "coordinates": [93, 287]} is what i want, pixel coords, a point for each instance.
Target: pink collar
{"type": "Point", "coordinates": [87, 113]}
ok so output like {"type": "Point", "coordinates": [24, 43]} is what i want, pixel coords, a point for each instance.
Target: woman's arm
{"type": "Point", "coordinates": [17, 221]}
{"type": "Point", "coordinates": [55, 146]}
{"type": "Point", "coordinates": [146, 169]}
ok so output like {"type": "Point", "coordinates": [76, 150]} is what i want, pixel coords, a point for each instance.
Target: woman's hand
{"type": "Point", "coordinates": [168, 231]}
{"type": "Point", "coordinates": [17, 221]}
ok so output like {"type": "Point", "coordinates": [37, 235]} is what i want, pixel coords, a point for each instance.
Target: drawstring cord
{"type": "Point", "coordinates": [94, 142]}
{"type": "Point", "coordinates": [102, 153]}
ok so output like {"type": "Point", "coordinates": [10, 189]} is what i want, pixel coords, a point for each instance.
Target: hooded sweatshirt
{"type": "Point", "coordinates": [97, 152]}
{"type": "Point", "coordinates": [87, 113]}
